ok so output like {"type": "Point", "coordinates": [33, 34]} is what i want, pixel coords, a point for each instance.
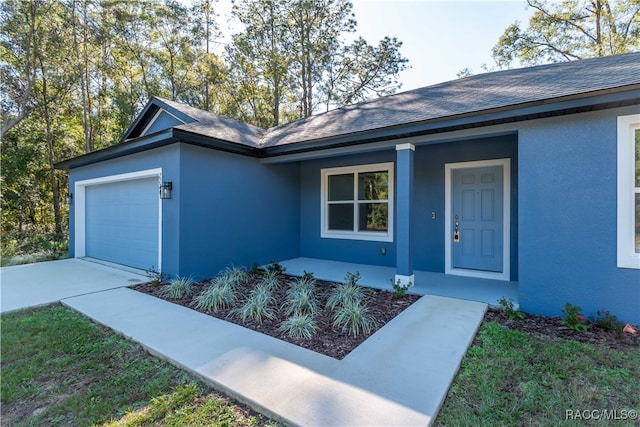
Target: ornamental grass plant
{"type": "Point", "coordinates": [220, 294]}
{"type": "Point", "coordinates": [346, 293]}
{"type": "Point", "coordinates": [179, 287]}
{"type": "Point", "coordinates": [258, 306]}
{"type": "Point", "coordinates": [299, 326]}
{"type": "Point", "coordinates": [355, 318]}
{"type": "Point", "coordinates": [301, 298]}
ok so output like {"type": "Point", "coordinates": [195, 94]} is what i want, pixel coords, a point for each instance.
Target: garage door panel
{"type": "Point", "coordinates": [122, 222]}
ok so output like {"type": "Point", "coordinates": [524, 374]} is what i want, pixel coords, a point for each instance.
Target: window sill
{"type": "Point", "coordinates": [373, 237]}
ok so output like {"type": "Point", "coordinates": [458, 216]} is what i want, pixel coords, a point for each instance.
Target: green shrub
{"type": "Point", "coordinates": [354, 316]}
{"type": "Point", "coordinates": [156, 276]}
{"type": "Point", "coordinates": [608, 321]}
{"type": "Point", "coordinates": [507, 306]}
{"type": "Point", "coordinates": [573, 317]}
{"type": "Point", "coordinates": [220, 294]}
{"type": "Point", "coordinates": [276, 268]}
{"type": "Point", "coordinates": [400, 290]}
{"type": "Point", "coordinates": [31, 246]}
{"type": "Point", "coordinates": [179, 287]}
{"type": "Point", "coordinates": [300, 326]}
{"type": "Point", "coordinates": [346, 293]}
{"type": "Point", "coordinates": [258, 306]}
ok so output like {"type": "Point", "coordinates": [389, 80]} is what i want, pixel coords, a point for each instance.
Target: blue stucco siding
{"type": "Point", "coordinates": [165, 158]}
{"type": "Point", "coordinates": [403, 210]}
{"type": "Point", "coordinates": [567, 205]}
{"type": "Point", "coordinates": [311, 244]}
{"type": "Point", "coordinates": [429, 194]}
{"type": "Point", "coordinates": [235, 211]}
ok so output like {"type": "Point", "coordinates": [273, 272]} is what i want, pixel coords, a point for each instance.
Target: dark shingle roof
{"type": "Point", "coordinates": [469, 95]}
{"type": "Point", "coordinates": [483, 92]}
{"type": "Point", "coordinates": [218, 127]}
{"type": "Point", "coordinates": [478, 100]}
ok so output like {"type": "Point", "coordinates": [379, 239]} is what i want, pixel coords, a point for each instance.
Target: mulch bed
{"type": "Point", "coordinates": [328, 340]}
{"type": "Point", "coordinates": [336, 343]}
{"type": "Point", "coordinates": [554, 327]}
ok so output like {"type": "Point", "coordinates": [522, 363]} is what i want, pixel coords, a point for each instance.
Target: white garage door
{"type": "Point", "coordinates": [122, 222]}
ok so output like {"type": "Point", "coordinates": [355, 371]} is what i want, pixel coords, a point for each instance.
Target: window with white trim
{"type": "Point", "coordinates": [357, 202]}
{"type": "Point", "coordinates": [629, 191]}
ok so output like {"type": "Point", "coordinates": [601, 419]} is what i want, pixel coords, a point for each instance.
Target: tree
{"type": "Point", "coordinates": [54, 82]}
{"type": "Point", "coordinates": [297, 58]}
{"type": "Point", "coordinates": [361, 71]}
{"type": "Point", "coordinates": [40, 61]}
{"type": "Point", "coordinates": [570, 30]}
{"type": "Point", "coordinates": [262, 48]}
{"type": "Point", "coordinates": [315, 28]}
{"type": "Point", "coordinates": [210, 69]}
{"type": "Point", "coordinates": [17, 68]}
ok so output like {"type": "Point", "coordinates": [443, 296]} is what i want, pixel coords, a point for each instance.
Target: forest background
{"type": "Point", "coordinates": [74, 74]}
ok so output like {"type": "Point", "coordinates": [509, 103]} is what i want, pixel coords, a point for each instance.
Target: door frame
{"type": "Point", "coordinates": [79, 208]}
{"type": "Point", "coordinates": [448, 223]}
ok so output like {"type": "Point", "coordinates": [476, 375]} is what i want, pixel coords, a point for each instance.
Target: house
{"type": "Point", "coordinates": [529, 175]}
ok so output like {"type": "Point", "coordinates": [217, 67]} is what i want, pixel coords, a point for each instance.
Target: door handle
{"type": "Point", "coordinates": [456, 233]}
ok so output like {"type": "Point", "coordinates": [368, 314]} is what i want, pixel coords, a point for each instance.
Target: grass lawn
{"type": "Point", "coordinates": [511, 378]}
{"type": "Point", "coordinates": [59, 368]}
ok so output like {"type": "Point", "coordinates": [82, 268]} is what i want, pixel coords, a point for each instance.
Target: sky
{"type": "Point", "coordinates": [440, 38]}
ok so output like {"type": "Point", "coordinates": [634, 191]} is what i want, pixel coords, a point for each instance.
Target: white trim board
{"type": "Point", "coordinates": [155, 117]}
{"type": "Point", "coordinates": [627, 257]}
{"type": "Point", "coordinates": [79, 207]}
{"type": "Point", "coordinates": [448, 230]}
{"type": "Point", "coordinates": [354, 234]}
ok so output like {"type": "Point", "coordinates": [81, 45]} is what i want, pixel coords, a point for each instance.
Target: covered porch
{"type": "Point", "coordinates": [426, 283]}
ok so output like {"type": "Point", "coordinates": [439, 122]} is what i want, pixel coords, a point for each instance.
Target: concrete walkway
{"type": "Point", "coordinates": [31, 285]}
{"type": "Point", "coordinates": [399, 376]}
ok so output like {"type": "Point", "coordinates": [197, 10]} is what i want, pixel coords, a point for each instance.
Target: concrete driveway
{"type": "Point", "coordinates": [31, 285]}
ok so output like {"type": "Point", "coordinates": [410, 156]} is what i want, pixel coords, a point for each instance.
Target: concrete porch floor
{"type": "Point", "coordinates": [427, 283]}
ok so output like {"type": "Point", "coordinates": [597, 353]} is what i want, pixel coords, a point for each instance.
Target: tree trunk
{"type": "Point", "coordinates": [598, 12]}
{"type": "Point", "coordinates": [51, 157]}
{"type": "Point", "coordinates": [206, 80]}
{"type": "Point", "coordinates": [82, 66]}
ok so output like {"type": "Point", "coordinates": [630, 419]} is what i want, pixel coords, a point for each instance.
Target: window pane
{"type": "Point", "coordinates": [373, 186]}
{"type": "Point", "coordinates": [373, 217]}
{"type": "Point", "coordinates": [340, 187]}
{"type": "Point", "coordinates": [637, 134]}
{"type": "Point", "coordinates": [341, 217]}
{"type": "Point", "coordinates": [638, 223]}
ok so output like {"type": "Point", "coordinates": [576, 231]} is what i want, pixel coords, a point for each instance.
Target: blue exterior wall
{"type": "Point", "coordinates": [235, 211]}
{"type": "Point", "coordinates": [429, 194]}
{"type": "Point", "coordinates": [167, 158]}
{"type": "Point", "coordinates": [311, 244]}
{"type": "Point", "coordinates": [567, 205]}
{"type": "Point", "coordinates": [225, 209]}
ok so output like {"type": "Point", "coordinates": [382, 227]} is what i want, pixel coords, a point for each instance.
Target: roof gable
{"type": "Point", "coordinates": [156, 116]}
